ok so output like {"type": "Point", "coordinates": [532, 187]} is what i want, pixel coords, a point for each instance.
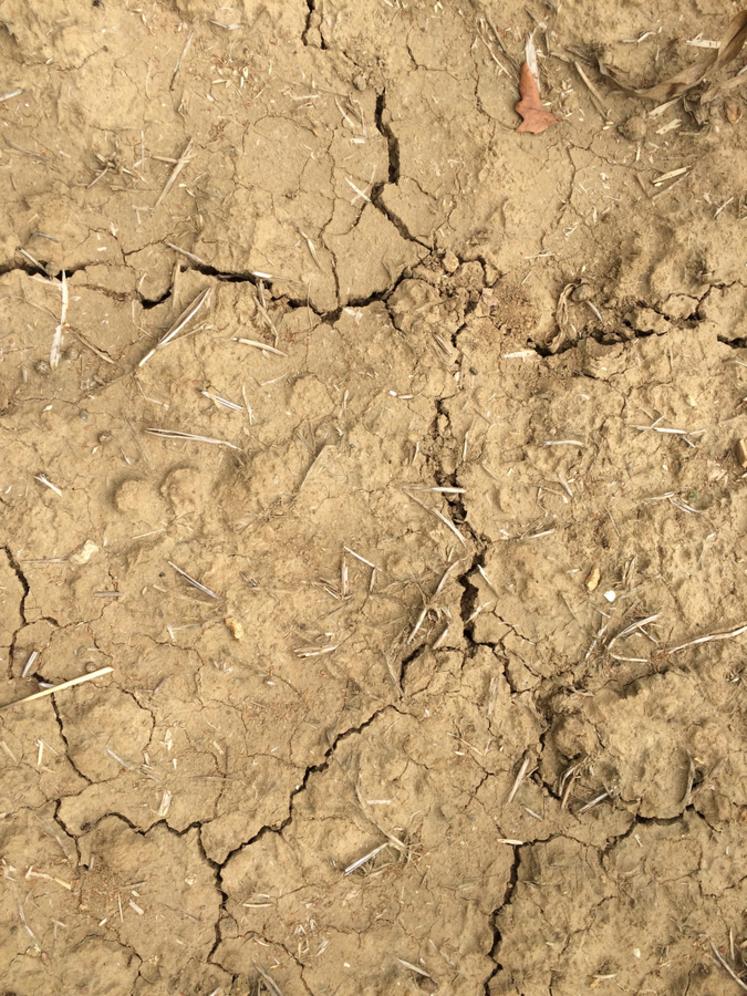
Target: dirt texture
{"type": "Point", "coordinates": [407, 690]}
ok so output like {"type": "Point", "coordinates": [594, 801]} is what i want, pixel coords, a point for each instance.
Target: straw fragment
{"type": "Point", "coordinates": [58, 688]}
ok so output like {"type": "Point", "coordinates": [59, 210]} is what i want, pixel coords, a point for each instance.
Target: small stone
{"type": "Point", "coordinates": [610, 596]}
{"type": "Point", "coordinates": [740, 451]}
{"type": "Point", "coordinates": [104, 437]}
{"type": "Point", "coordinates": [234, 627]}
{"type": "Point", "coordinates": [451, 261]}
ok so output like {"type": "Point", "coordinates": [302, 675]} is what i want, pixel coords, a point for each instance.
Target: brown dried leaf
{"type": "Point", "coordinates": [536, 117]}
{"type": "Point", "coordinates": [729, 48]}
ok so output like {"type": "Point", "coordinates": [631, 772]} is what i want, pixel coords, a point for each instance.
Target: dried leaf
{"type": "Point", "coordinates": [729, 48]}
{"type": "Point", "coordinates": [536, 117]}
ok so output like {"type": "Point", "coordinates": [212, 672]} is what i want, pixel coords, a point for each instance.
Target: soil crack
{"type": "Point", "coordinates": [313, 769]}
{"type": "Point", "coordinates": [26, 589]}
{"type": "Point", "coordinates": [506, 900]}
{"type": "Point", "coordinates": [393, 173]}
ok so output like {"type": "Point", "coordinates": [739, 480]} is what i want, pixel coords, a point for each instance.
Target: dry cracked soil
{"type": "Point", "coordinates": [415, 550]}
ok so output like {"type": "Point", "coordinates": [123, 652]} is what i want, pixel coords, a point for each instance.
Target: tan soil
{"type": "Point", "coordinates": [496, 313]}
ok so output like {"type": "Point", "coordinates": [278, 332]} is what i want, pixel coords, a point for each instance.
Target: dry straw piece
{"type": "Point", "coordinates": [729, 48]}
{"type": "Point", "coordinates": [190, 312]}
{"type": "Point", "coordinates": [58, 688]}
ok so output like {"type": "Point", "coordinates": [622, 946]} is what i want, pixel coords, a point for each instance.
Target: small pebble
{"type": "Point", "coordinates": [234, 627]}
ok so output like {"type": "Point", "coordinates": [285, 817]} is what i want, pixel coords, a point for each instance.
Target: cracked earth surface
{"type": "Point", "coordinates": [421, 733]}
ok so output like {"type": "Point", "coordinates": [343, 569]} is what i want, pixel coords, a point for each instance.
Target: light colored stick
{"type": "Point", "coordinates": [269, 982]}
{"type": "Point", "coordinates": [593, 802]}
{"type": "Point", "coordinates": [521, 775]}
{"type": "Point", "coordinates": [58, 688]}
{"type": "Point", "coordinates": [178, 66]}
{"type": "Point", "coordinates": [181, 323]}
{"type": "Point", "coordinates": [439, 515]}
{"type": "Point", "coordinates": [187, 253]}
{"type": "Point", "coordinates": [359, 557]}
{"type": "Point", "coordinates": [415, 968]}
{"type": "Point", "coordinates": [193, 581]}
{"type": "Point", "coordinates": [728, 635]}
{"type": "Point", "coordinates": [180, 164]}
{"type": "Point", "coordinates": [56, 351]}
{"type": "Point", "coordinates": [633, 627]}
{"type": "Point", "coordinates": [264, 346]}
{"type": "Point", "coordinates": [366, 857]}
{"type": "Point", "coordinates": [725, 965]}
{"type": "Point", "coordinates": [177, 434]}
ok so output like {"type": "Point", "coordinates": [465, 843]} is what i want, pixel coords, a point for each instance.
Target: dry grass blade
{"type": "Point", "coordinates": [520, 776]}
{"type": "Point", "coordinates": [269, 982]}
{"type": "Point", "coordinates": [595, 95]}
{"type": "Point", "coordinates": [189, 313]}
{"type": "Point", "coordinates": [55, 352]}
{"type": "Point", "coordinates": [728, 634]}
{"type": "Point", "coordinates": [264, 346]}
{"type": "Point", "coordinates": [320, 651]}
{"type": "Point", "coordinates": [727, 967]}
{"type": "Point", "coordinates": [416, 969]}
{"type": "Point", "coordinates": [440, 516]}
{"type": "Point", "coordinates": [181, 162]}
{"type": "Point", "coordinates": [634, 627]}
{"type": "Point", "coordinates": [187, 253]}
{"type": "Point", "coordinates": [45, 481]}
{"type": "Point", "coordinates": [418, 623]}
{"type": "Point", "coordinates": [221, 401]}
{"type": "Point", "coordinates": [355, 865]}
{"type": "Point", "coordinates": [81, 679]}
{"type": "Point", "coordinates": [593, 802]}
{"type": "Point", "coordinates": [729, 47]}
{"type": "Point", "coordinates": [186, 47]}
{"type": "Point", "coordinates": [449, 525]}
{"type": "Point", "coordinates": [359, 557]}
{"type": "Point", "coordinates": [657, 181]}
{"type": "Point", "coordinates": [104, 357]}
{"type": "Point", "coordinates": [190, 436]}
{"type": "Point", "coordinates": [193, 581]}
{"type": "Point", "coordinates": [30, 661]}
